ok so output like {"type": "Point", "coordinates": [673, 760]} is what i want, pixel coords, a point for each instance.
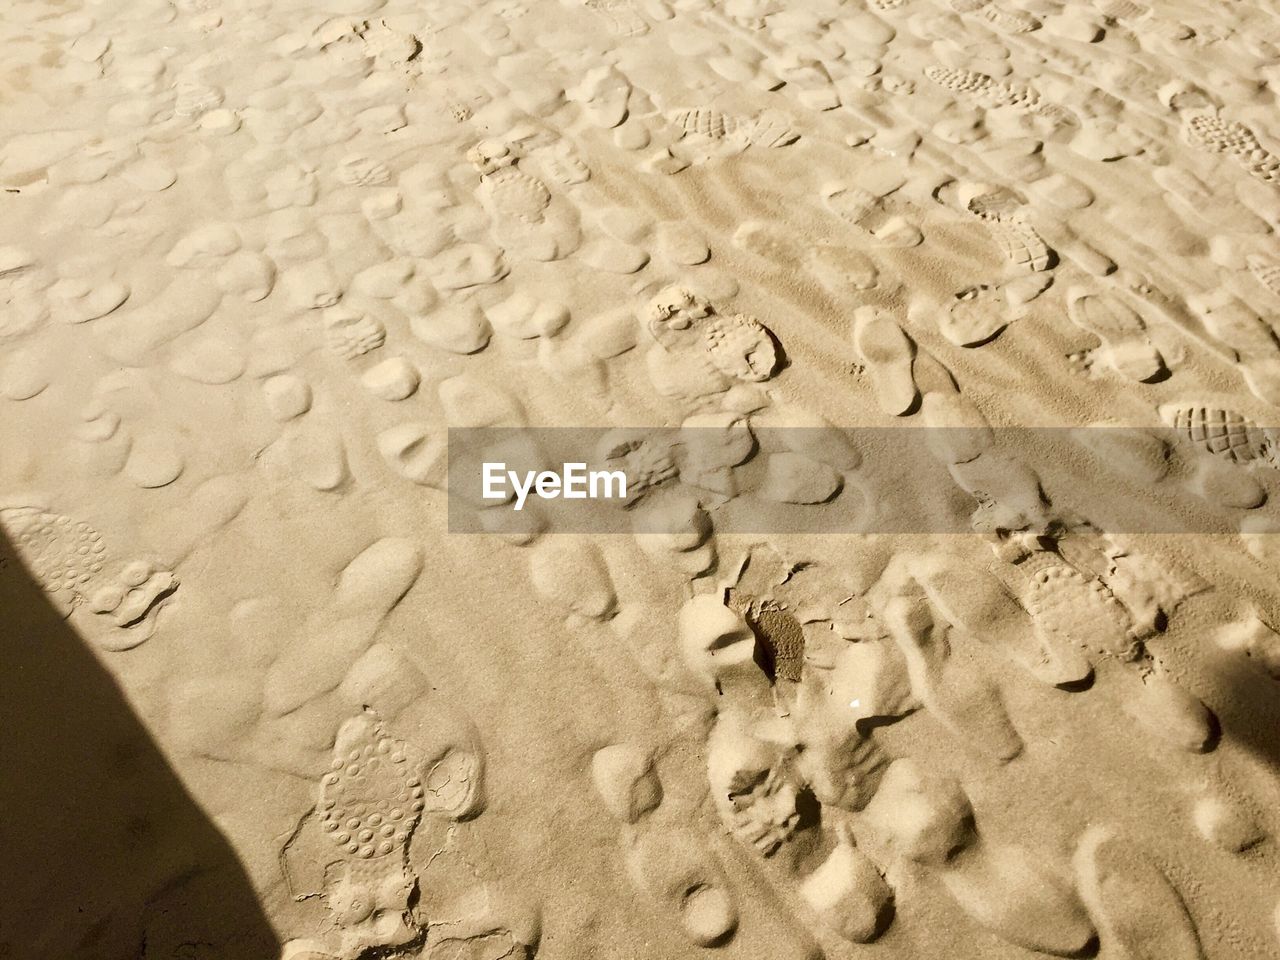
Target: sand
{"type": "Point", "coordinates": [941, 618]}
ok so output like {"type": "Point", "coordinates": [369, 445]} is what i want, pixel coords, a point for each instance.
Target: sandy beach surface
{"type": "Point", "coordinates": [275, 274]}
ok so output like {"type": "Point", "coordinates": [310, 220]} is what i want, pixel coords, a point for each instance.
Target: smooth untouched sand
{"type": "Point", "coordinates": [256, 256]}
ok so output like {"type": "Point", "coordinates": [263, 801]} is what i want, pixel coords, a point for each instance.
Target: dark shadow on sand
{"type": "Point", "coordinates": [1250, 713]}
{"type": "Point", "coordinates": [103, 853]}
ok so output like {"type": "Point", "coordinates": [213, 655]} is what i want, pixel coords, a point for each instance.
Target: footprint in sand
{"type": "Point", "coordinates": [69, 559]}
{"type": "Point", "coordinates": [28, 293]}
{"type": "Point", "coordinates": [962, 700]}
{"type": "Point", "coordinates": [681, 244]}
{"type": "Point", "coordinates": [889, 355]}
{"type": "Point", "coordinates": [527, 219]}
{"type": "Point", "coordinates": [847, 894]}
{"type": "Point", "coordinates": [877, 217]}
{"type": "Point", "coordinates": [309, 450]}
{"type": "Point", "coordinates": [132, 336]}
{"type": "Point", "coordinates": [1221, 433]}
{"type": "Point", "coordinates": [350, 332]}
{"type": "Point", "coordinates": [621, 16]}
{"type": "Point", "coordinates": [25, 373]}
{"type": "Point", "coordinates": [1210, 132]}
{"type": "Point", "coordinates": [1227, 822]}
{"type": "Point", "coordinates": [707, 133]}
{"type": "Point", "coordinates": [676, 533]}
{"type": "Point", "coordinates": [975, 316]}
{"type": "Point", "coordinates": [1021, 897]}
{"type": "Point", "coordinates": [458, 326]}
{"type": "Point", "coordinates": [700, 350]}
{"type": "Point", "coordinates": [682, 880]}
{"type": "Point", "coordinates": [1128, 452]}
{"type": "Point", "coordinates": [77, 300]}
{"type": "Point", "coordinates": [155, 460]}
{"type": "Point", "coordinates": [415, 452]}
{"type": "Point", "coordinates": [1267, 272]}
{"type": "Point", "coordinates": [992, 94]}
{"type": "Point", "coordinates": [211, 360]}
{"type": "Point", "coordinates": [248, 275]}
{"type": "Point", "coordinates": [357, 836]}
{"type": "Point", "coordinates": [1172, 714]}
{"type": "Point", "coordinates": [626, 782]}
{"type": "Point", "coordinates": [1252, 637]}
{"type": "Point", "coordinates": [286, 396]}
{"type": "Point", "coordinates": [1074, 614]}
{"type": "Point", "coordinates": [754, 782]}
{"type": "Point", "coordinates": [1249, 337]}
{"type": "Point", "coordinates": [365, 593]}
{"type": "Point", "coordinates": [842, 270]}
{"type": "Point", "coordinates": [604, 94]}
{"type": "Point", "coordinates": [1006, 216]}
{"type": "Point", "coordinates": [839, 706]}
{"type": "Point", "coordinates": [393, 379]}
{"type": "Point", "coordinates": [762, 761]}
{"type": "Point", "coordinates": [1123, 333]}
{"type": "Point", "coordinates": [980, 605]}
{"type": "Point", "coordinates": [958, 432]}
{"type": "Point", "coordinates": [1139, 913]}
{"type": "Point", "coordinates": [571, 575]}
{"type": "Point", "coordinates": [1006, 19]}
